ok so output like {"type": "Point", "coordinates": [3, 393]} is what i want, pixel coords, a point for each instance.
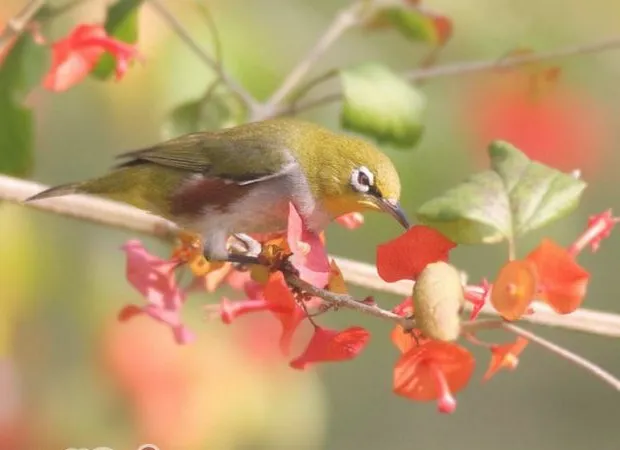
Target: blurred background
{"type": "Point", "coordinates": [72, 376]}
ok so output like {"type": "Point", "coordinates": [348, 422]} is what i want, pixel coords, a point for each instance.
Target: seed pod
{"type": "Point", "coordinates": [438, 298]}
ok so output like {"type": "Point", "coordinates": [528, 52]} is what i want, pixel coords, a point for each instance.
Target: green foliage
{"type": "Point", "coordinates": [122, 24]}
{"type": "Point", "coordinates": [213, 111]}
{"type": "Point", "coordinates": [514, 197]}
{"type": "Point", "coordinates": [417, 26]}
{"type": "Point", "coordinates": [20, 71]}
{"type": "Point", "coordinates": [412, 21]}
{"type": "Point", "coordinates": [382, 105]}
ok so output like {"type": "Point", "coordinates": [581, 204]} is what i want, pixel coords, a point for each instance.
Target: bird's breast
{"type": "Point", "coordinates": [209, 205]}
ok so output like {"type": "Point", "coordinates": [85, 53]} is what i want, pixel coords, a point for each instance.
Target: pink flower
{"type": "Point", "coordinates": [154, 279]}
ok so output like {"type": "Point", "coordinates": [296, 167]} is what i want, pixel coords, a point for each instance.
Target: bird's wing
{"type": "Point", "coordinates": [243, 160]}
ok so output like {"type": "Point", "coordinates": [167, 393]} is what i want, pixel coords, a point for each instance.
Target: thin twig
{"type": "Point", "coordinates": [463, 68]}
{"type": "Point", "coordinates": [17, 24]}
{"type": "Point", "coordinates": [566, 354]}
{"type": "Point", "coordinates": [215, 35]}
{"type": "Point", "coordinates": [184, 35]}
{"type": "Point", "coordinates": [344, 20]}
{"type": "Point", "coordinates": [472, 67]}
{"type": "Point", "coordinates": [118, 215]}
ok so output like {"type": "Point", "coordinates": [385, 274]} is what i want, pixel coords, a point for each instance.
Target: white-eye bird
{"type": "Point", "coordinates": [242, 179]}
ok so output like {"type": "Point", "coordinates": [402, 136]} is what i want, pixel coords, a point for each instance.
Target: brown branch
{"type": "Point", "coordinates": [17, 25]}
{"type": "Point", "coordinates": [113, 214]}
{"type": "Point", "coordinates": [204, 56]}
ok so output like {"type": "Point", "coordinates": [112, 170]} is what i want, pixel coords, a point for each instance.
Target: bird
{"type": "Point", "coordinates": [240, 181]}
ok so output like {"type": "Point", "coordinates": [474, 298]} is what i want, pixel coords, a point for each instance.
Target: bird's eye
{"type": "Point", "coordinates": [362, 179]}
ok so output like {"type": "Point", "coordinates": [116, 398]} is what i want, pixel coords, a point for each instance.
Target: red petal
{"type": "Point", "coordinates": [309, 255]}
{"type": "Point", "coordinates": [563, 282]}
{"type": "Point", "coordinates": [415, 373]}
{"type": "Point", "coordinates": [407, 255]}
{"type": "Point", "coordinates": [284, 307]}
{"type": "Point", "coordinates": [154, 278]}
{"type": "Point", "coordinates": [405, 308]}
{"type": "Point", "coordinates": [599, 228]}
{"type": "Point", "coordinates": [229, 311]}
{"type": "Point", "coordinates": [505, 356]}
{"type": "Point", "coordinates": [351, 221]}
{"type": "Point", "coordinates": [514, 289]}
{"type": "Point", "coordinates": [75, 56]}
{"type": "Point", "coordinates": [332, 345]}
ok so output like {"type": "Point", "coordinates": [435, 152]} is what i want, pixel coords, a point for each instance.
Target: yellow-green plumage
{"type": "Point", "coordinates": [242, 179]}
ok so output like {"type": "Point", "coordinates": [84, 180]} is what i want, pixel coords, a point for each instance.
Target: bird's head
{"type": "Point", "coordinates": [351, 175]}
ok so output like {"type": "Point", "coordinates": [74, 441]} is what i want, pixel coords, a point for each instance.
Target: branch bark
{"type": "Point", "coordinates": [117, 215]}
{"type": "Point", "coordinates": [16, 25]}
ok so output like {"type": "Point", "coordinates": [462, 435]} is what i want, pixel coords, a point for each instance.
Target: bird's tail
{"type": "Point", "coordinates": [57, 191]}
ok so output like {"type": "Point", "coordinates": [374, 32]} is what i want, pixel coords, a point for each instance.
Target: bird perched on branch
{"type": "Point", "coordinates": [241, 180]}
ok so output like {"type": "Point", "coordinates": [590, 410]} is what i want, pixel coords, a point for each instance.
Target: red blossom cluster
{"type": "Point", "coordinates": [428, 369]}
{"type": "Point", "coordinates": [76, 55]}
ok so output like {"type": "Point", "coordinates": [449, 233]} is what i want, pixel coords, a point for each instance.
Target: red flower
{"type": "Point", "coordinates": [599, 227]}
{"type": "Point", "coordinates": [514, 289]}
{"type": "Point", "coordinates": [562, 282]}
{"type": "Point", "coordinates": [433, 371]}
{"type": "Point", "coordinates": [155, 280]}
{"type": "Point", "coordinates": [477, 296]}
{"type": "Point", "coordinates": [283, 305]}
{"type": "Point", "coordinates": [75, 56]}
{"type": "Point", "coordinates": [560, 128]}
{"type": "Point", "coordinates": [332, 345]}
{"type": "Point", "coordinates": [309, 255]}
{"type": "Point", "coordinates": [230, 310]}
{"type": "Point", "coordinates": [407, 255]}
{"type": "Point", "coordinates": [505, 356]}
{"type": "Point", "coordinates": [405, 340]}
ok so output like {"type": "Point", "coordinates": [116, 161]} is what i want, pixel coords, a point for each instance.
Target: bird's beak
{"type": "Point", "coordinates": [394, 210]}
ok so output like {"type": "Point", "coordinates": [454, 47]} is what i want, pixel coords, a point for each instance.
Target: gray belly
{"type": "Point", "coordinates": [264, 209]}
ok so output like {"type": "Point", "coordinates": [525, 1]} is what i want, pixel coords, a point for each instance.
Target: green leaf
{"type": "Point", "coordinates": [414, 22]}
{"type": "Point", "coordinates": [212, 112]}
{"type": "Point", "coordinates": [515, 196]}
{"type": "Point", "coordinates": [379, 103]}
{"type": "Point", "coordinates": [122, 24]}
{"type": "Point", "coordinates": [20, 71]}
{"type": "Point", "coordinates": [420, 26]}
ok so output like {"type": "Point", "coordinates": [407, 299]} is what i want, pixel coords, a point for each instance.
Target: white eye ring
{"type": "Point", "coordinates": [362, 179]}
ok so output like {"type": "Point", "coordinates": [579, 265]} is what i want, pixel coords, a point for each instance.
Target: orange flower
{"type": "Point", "coordinates": [405, 340]}
{"type": "Point", "coordinates": [514, 289]}
{"type": "Point", "coordinates": [434, 371]}
{"type": "Point", "coordinates": [505, 356]}
{"type": "Point", "coordinates": [562, 282]}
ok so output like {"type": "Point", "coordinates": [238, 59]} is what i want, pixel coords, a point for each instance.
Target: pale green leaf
{"type": "Point", "coordinates": [515, 196]}
{"type": "Point", "coordinates": [380, 104]}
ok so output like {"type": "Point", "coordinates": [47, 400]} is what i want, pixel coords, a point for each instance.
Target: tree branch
{"type": "Point", "coordinates": [344, 20]}
{"type": "Point", "coordinates": [184, 35]}
{"type": "Point", "coordinates": [566, 354]}
{"type": "Point", "coordinates": [113, 214]}
{"type": "Point", "coordinates": [16, 25]}
{"type": "Point", "coordinates": [468, 68]}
